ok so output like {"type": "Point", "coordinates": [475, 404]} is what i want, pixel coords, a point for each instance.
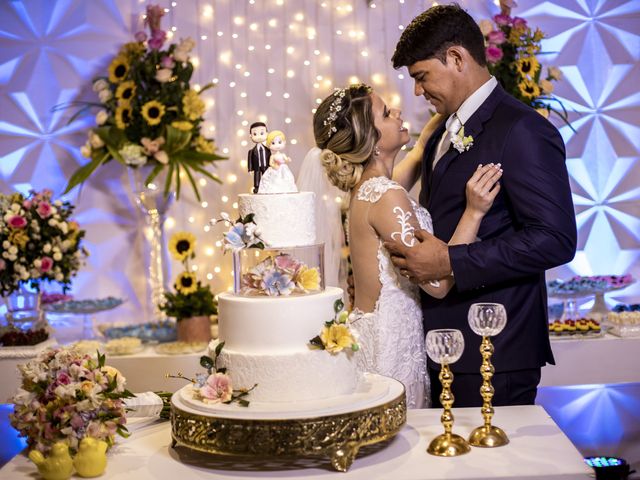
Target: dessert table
{"type": "Point", "coordinates": [538, 450]}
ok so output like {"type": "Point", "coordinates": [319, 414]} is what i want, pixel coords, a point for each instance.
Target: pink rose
{"type": "Point", "coordinates": [46, 264]}
{"type": "Point", "coordinates": [17, 221]}
{"type": "Point", "coordinates": [140, 36]}
{"type": "Point", "coordinates": [157, 39]}
{"type": "Point", "coordinates": [167, 62]}
{"type": "Point", "coordinates": [63, 378]}
{"type": "Point", "coordinates": [217, 387]}
{"type": "Point", "coordinates": [27, 204]}
{"type": "Point", "coordinates": [44, 209]}
{"type": "Point", "coordinates": [3, 264]}
{"type": "Point", "coordinates": [496, 37]}
{"type": "Point", "coordinates": [519, 22]}
{"type": "Point", "coordinates": [493, 53]}
{"type": "Point", "coordinates": [501, 19]}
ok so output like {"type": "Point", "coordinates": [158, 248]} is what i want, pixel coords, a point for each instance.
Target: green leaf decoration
{"type": "Point", "coordinates": [85, 171]}
{"type": "Point", "coordinates": [176, 140]}
{"type": "Point", "coordinates": [219, 348]}
{"type": "Point", "coordinates": [338, 306]}
{"type": "Point", "coordinates": [207, 362]}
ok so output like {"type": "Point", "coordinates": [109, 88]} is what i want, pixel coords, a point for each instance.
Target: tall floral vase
{"type": "Point", "coordinates": [154, 206]}
{"type": "Point", "coordinates": [24, 309]}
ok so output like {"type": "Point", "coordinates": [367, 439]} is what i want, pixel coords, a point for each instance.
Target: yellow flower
{"type": "Point", "coordinates": [309, 278]}
{"type": "Point", "coordinates": [527, 66]}
{"type": "Point", "coordinates": [123, 116]}
{"type": "Point", "coordinates": [538, 35]}
{"type": "Point", "coordinates": [19, 238]}
{"type": "Point", "coordinates": [193, 105]}
{"type": "Point", "coordinates": [132, 50]}
{"type": "Point", "coordinates": [182, 125]}
{"type": "Point", "coordinates": [182, 245]}
{"type": "Point", "coordinates": [186, 283]}
{"type": "Point", "coordinates": [529, 89]}
{"type": "Point", "coordinates": [204, 145]}
{"type": "Point", "coordinates": [125, 91]}
{"type": "Point", "coordinates": [118, 69]}
{"type": "Point", "coordinates": [336, 337]}
{"type": "Point", "coordinates": [152, 112]}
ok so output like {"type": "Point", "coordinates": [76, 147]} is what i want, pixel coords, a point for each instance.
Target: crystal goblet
{"type": "Point", "coordinates": [487, 320]}
{"type": "Point", "coordinates": [445, 346]}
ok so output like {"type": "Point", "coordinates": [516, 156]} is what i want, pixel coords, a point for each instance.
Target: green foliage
{"type": "Point", "coordinates": [179, 305]}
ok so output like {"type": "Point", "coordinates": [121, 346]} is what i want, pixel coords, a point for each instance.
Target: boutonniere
{"type": "Point", "coordinates": [460, 142]}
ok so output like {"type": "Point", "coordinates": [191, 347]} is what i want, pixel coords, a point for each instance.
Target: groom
{"type": "Point", "coordinates": [529, 229]}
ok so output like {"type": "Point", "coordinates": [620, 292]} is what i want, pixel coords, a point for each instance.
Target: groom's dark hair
{"type": "Point", "coordinates": [431, 33]}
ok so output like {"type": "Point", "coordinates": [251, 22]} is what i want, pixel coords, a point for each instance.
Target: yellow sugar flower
{"type": "Point", "coordinates": [123, 116]}
{"type": "Point", "coordinates": [182, 245]}
{"type": "Point", "coordinates": [204, 145]}
{"type": "Point", "coordinates": [186, 283]}
{"type": "Point", "coordinates": [309, 278]}
{"type": "Point", "coordinates": [118, 69]}
{"type": "Point", "coordinates": [529, 89]}
{"type": "Point", "coordinates": [152, 112]}
{"type": "Point", "coordinates": [528, 66]}
{"type": "Point", "coordinates": [125, 91]}
{"type": "Point", "coordinates": [193, 105]}
{"type": "Point", "coordinates": [182, 125]}
{"type": "Point", "coordinates": [336, 337]}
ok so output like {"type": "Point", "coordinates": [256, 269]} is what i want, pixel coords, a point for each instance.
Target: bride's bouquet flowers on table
{"type": "Point", "coordinates": [66, 396]}
{"type": "Point", "coordinates": [150, 115]}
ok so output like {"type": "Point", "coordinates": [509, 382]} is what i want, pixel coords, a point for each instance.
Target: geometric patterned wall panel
{"type": "Point", "coordinates": [272, 59]}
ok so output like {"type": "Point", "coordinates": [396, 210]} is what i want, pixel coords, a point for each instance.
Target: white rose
{"type": "Point", "coordinates": [546, 86]}
{"type": "Point", "coordinates": [54, 210]}
{"type": "Point", "coordinates": [101, 117]}
{"type": "Point", "coordinates": [59, 277]}
{"type": "Point", "coordinates": [100, 85]}
{"type": "Point", "coordinates": [53, 222]}
{"type": "Point", "coordinates": [57, 256]}
{"type": "Point", "coordinates": [180, 55]}
{"type": "Point", "coordinates": [105, 95]}
{"type": "Point", "coordinates": [37, 262]}
{"type": "Point", "coordinates": [95, 140]}
{"type": "Point", "coordinates": [66, 245]}
{"type": "Point", "coordinates": [187, 44]}
{"type": "Point", "coordinates": [164, 75]}
{"type": "Point", "coordinates": [555, 73]}
{"type": "Point", "coordinates": [46, 248]}
{"type": "Point", "coordinates": [162, 157]}
{"type": "Point", "coordinates": [6, 244]}
{"type": "Point", "coordinates": [24, 275]}
{"type": "Point", "coordinates": [485, 27]}
{"type": "Point", "coordinates": [15, 207]}
{"type": "Point", "coordinates": [85, 150]}
{"type": "Point", "coordinates": [133, 154]}
{"type": "Point", "coordinates": [64, 227]}
{"type": "Point", "coordinates": [13, 250]}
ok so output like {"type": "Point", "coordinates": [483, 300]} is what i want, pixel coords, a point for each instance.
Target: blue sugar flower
{"type": "Point", "coordinates": [276, 283]}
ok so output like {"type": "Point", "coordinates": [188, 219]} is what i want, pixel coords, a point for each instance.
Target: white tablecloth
{"type": "Point", "coordinates": [538, 450]}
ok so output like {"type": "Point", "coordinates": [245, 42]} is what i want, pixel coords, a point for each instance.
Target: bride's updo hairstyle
{"type": "Point", "coordinates": [343, 128]}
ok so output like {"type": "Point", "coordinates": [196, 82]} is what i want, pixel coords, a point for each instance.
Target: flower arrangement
{"type": "Point", "coordinates": [40, 241]}
{"type": "Point", "coordinates": [280, 275]}
{"type": "Point", "coordinates": [66, 396]}
{"type": "Point", "coordinates": [244, 233]}
{"type": "Point", "coordinates": [511, 49]}
{"type": "Point", "coordinates": [336, 334]}
{"type": "Point", "coordinates": [150, 115]}
{"type": "Point", "coordinates": [191, 299]}
{"type": "Point", "coordinates": [216, 386]}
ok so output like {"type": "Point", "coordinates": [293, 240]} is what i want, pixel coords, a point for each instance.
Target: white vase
{"type": "Point", "coordinates": [154, 205]}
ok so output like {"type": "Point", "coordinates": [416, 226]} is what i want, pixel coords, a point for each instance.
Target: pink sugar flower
{"type": "Point", "coordinates": [46, 265]}
{"type": "Point", "coordinates": [17, 221]}
{"type": "Point", "coordinates": [502, 19]}
{"type": "Point", "coordinates": [44, 209]}
{"type": "Point", "coordinates": [217, 388]}
{"type": "Point", "coordinates": [287, 262]}
{"type": "Point", "coordinates": [496, 37]}
{"type": "Point", "coordinates": [493, 53]}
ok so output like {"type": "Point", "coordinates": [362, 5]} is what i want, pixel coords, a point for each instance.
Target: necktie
{"type": "Point", "coordinates": [261, 161]}
{"type": "Point", "coordinates": [453, 127]}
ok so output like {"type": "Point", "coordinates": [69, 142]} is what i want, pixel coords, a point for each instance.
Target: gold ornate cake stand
{"type": "Point", "coordinates": [338, 436]}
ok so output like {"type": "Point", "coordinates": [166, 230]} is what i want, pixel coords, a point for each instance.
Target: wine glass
{"type": "Point", "coordinates": [445, 346]}
{"type": "Point", "coordinates": [487, 320]}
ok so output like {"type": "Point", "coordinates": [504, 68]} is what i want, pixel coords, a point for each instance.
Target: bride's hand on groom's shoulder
{"type": "Point", "coordinates": [427, 260]}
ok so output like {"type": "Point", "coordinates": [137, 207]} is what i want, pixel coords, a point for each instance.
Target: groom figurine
{"type": "Point", "coordinates": [530, 227]}
{"type": "Point", "coordinates": [258, 156]}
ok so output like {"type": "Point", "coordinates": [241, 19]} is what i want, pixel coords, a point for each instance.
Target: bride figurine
{"type": "Point", "coordinates": [278, 178]}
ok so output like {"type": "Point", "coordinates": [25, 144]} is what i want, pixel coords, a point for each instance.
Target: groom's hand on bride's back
{"type": "Point", "coordinates": [427, 260]}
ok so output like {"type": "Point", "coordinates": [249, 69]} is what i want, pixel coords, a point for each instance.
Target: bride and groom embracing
{"type": "Point", "coordinates": [495, 212]}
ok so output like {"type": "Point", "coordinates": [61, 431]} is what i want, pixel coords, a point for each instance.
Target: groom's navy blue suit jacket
{"type": "Point", "coordinates": [530, 228]}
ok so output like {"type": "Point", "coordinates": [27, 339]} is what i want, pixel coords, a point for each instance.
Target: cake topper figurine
{"type": "Point", "coordinates": [258, 156]}
{"type": "Point", "coordinates": [278, 178]}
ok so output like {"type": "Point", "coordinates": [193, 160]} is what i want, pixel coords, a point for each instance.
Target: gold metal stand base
{"type": "Point", "coordinates": [488, 437]}
{"type": "Point", "coordinates": [339, 437]}
{"type": "Point", "coordinates": [448, 445]}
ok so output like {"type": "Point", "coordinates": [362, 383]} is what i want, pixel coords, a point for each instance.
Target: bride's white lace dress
{"type": "Point", "coordinates": [391, 338]}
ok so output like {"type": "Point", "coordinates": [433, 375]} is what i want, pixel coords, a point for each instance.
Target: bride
{"type": "Point", "coordinates": [358, 138]}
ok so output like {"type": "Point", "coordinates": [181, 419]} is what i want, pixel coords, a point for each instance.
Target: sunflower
{"type": "Point", "coordinates": [118, 69]}
{"type": "Point", "coordinates": [527, 66]}
{"type": "Point", "coordinates": [123, 116]}
{"type": "Point", "coordinates": [193, 105]}
{"type": "Point", "coordinates": [125, 91]}
{"type": "Point", "coordinates": [186, 283]}
{"type": "Point", "coordinates": [182, 125]}
{"type": "Point", "coordinates": [182, 245]}
{"type": "Point", "coordinates": [152, 112]}
{"type": "Point", "coordinates": [529, 88]}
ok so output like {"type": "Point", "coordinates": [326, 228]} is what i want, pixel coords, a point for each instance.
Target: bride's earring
{"type": "Point", "coordinates": [376, 151]}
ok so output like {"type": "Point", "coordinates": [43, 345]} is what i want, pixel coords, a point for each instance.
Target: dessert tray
{"type": "Point", "coordinates": [575, 329]}
{"type": "Point", "coordinates": [162, 331]}
{"type": "Point", "coordinates": [83, 307]}
{"type": "Point", "coordinates": [336, 428]}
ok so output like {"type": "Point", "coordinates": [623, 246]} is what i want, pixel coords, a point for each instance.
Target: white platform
{"type": "Point", "coordinates": [538, 450]}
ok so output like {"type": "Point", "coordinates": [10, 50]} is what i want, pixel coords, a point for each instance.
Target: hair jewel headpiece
{"type": "Point", "coordinates": [334, 109]}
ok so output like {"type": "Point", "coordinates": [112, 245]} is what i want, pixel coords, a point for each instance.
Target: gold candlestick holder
{"type": "Point", "coordinates": [447, 444]}
{"type": "Point", "coordinates": [487, 435]}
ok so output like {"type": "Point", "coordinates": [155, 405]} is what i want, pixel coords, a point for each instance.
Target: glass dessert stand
{"type": "Point", "coordinates": [86, 308]}
{"type": "Point", "coordinates": [336, 428]}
